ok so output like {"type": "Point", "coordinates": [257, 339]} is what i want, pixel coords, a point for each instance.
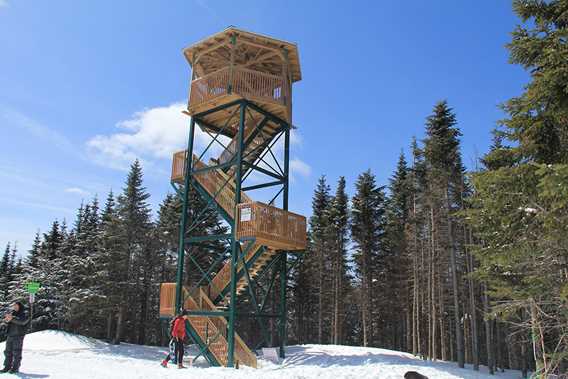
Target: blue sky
{"type": "Point", "coordinates": [86, 86]}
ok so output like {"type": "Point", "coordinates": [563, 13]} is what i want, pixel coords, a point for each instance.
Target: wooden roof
{"type": "Point", "coordinates": [255, 51]}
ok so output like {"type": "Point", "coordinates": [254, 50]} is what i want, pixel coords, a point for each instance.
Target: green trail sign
{"type": "Point", "coordinates": [32, 287]}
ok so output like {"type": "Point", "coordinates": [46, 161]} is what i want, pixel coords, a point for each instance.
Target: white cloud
{"type": "Point", "coordinates": [296, 137]}
{"type": "Point", "coordinates": [154, 134]}
{"type": "Point", "coordinates": [3, 3]}
{"type": "Point", "coordinates": [149, 135]}
{"type": "Point", "coordinates": [77, 191]}
{"type": "Point", "coordinates": [297, 166]}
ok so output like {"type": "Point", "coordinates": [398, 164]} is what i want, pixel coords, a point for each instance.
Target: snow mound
{"type": "Point", "coordinates": [61, 355]}
{"type": "Point", "coordinates": [55, 340]}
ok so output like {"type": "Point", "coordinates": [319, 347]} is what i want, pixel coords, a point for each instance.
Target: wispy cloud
{"type": "Point", "coordinates": [299, 167]}
{"type": "Point", "coordinates": [17, 119]}
{"type": "Point", "coordinates": [150, 135]}
{"type": "Point", "coordinates": [204, 4]}
{"type": "Point", "coordinates": [77, 191]}
{"type": "Point", "coordinates": [34, 204]}
{"type": "Point", "coordinates": [3, 3]}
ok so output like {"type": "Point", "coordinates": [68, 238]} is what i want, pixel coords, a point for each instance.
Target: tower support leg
{"type": "Point", "coordinates": [284, 259]}
{"type": "Point", "coordinates": [183, 222]}
{"type": "Point", "coordinates": [235, 243]}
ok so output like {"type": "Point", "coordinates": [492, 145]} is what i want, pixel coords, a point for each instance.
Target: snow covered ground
{"type": "Point", "coordinates": [53, 354]}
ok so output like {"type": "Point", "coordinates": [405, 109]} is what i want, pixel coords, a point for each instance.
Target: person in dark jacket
{"type": "Point", "coordinates": [17, 322]}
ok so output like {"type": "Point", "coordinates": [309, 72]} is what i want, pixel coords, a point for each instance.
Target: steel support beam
{"type": "Point", "coordinates": [183, 222]}
{"type": "Point", "coordinates": [235, 243]}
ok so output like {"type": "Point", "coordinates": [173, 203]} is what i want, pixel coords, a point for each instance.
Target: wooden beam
{"type": "Point", "coordinates": [216, 45]}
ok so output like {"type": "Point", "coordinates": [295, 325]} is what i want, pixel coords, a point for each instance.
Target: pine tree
{"type": "Point", "coordinates": [441, 149]}
{"type": "Point", "coordinates": [109, 274]}
{"type": "Point", "coordinates": [31, 258]}
{"type": "Point", "coordinates": [537, 118]}
{"type": "Point", "coordinates": [134, 226]}
{"type": "Point", "coordinates": [5, 275]}
{"type": "Point", "coordinates": [398, 265]}
{"type": "Point", "coordinates": [319, 226]}
{"type": "Point", "coordinates": [367, 230]}
{"type": "Point", "coordinates": [520, 194]}
{"type": "Point", "coordinates": [338, 231]}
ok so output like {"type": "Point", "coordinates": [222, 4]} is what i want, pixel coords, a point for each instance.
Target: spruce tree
{"type": "Point", "coordinates": [134, 226]}
{"type": "Point", "coordinates": [397, 262]}
{"type": "Point", "coordinates": [367, 230]}
{"type": "Point", "coordinates": [319, 227]}
{"type": "Point", "coordinates": [338, 232]}
{"type": "Point", "coordinates": [441, 149]}
{"type": "Point", "coordinates": [519, 199]}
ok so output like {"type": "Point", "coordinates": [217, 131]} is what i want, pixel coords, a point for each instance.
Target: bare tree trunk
{"type": "Point", "coordinates": [488, 339]}
{"type": "Point", "coordinates": [110, 318]}
{"type": "Point", "coordinates": [431, 308]}
{"type": "Point", "coordinates": [336, 311]}
{"type": "Point", "coordinates": [119, 325]}
{"type": "Point", "coordinates": [455, 287]}
{"type": "Point", "coordinates": [442, 324]}
{"type": "Point", "coordinates": [466, 337]}
{"type": "Point", "coordinates": [472, 306]}
{"type": "Point", "coordinates": [320, 296]}
{"type": "Point", "coordinates": [538, 340]}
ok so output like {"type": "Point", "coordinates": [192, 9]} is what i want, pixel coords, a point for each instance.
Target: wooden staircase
{"type": "Point", "coordinates": [218, 185]}
{"type": "Point", "coordinates": [212, 331]}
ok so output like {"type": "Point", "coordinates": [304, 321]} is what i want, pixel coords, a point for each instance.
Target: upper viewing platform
{"type": "Point", "coordinates": [236, 64]}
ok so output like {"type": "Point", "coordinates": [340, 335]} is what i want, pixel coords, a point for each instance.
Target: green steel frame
{"type": "Point", "coordinates": [279, 266]}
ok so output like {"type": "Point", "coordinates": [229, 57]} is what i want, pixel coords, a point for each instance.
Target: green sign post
{"type": "Point", "coordinates": [32, 287]}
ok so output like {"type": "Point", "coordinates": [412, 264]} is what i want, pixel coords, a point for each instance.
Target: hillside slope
{"type": "Point", "coordinates": [55, 354]}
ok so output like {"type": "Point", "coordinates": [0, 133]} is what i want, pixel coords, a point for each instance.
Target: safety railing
{"type": "Point", "coordinates": [274, 227]}
{"type": "Point", "coordinates": [244, 82]}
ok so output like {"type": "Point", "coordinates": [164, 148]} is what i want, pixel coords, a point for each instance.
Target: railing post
{"type": "Point", "coordinates": [183, 222]}
{"type": "Point", "coordinates": [235, 241]}
{"type": "Point", "coordinates": [232, 65]}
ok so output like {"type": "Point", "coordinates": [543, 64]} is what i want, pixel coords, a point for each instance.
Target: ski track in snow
{"type": "Point", "coordinates": [60, 355]}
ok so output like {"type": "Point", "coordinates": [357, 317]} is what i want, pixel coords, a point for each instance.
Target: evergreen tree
{"type": "Point", "coordinates": [109, 274]}
{"type": "Point", "coordinates": [520, 195]}
{"type": "Point", "coordinates": [397, 262]}
{"type": "Point", "coordinates": [538, 117]}
{"type": "Point", "coordinates": [338, 231]}
{"type": "Point", "coordinates": [441, 150]}
{"type": "Point", "coordinates": [130, 253]}
{"type": "Point", "coordinates": [5, 273]}
{"type": "Point", "coordinates": [319, 227]}
{"type": "Point", "coordinates": [367, 230]}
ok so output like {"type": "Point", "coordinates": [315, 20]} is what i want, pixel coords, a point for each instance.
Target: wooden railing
{"type": "Point", "coordinates": [167, 299]}
{"type": "Point", "coordinates": [271, 226]}
{"type": "Point", "coordinates": [244, 82]}
{"type": "Point", "coordinates": [178, 166]}
{"type": "Point", "coordinates": [215, 182]}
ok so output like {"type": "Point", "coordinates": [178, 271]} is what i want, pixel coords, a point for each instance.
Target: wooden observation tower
{"type": "Point", "coordinates": [241, 101]}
